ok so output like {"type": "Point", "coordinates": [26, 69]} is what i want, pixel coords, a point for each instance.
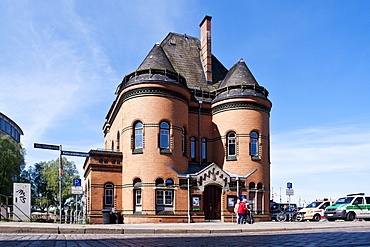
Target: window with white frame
{"type": "Point", "coordinates": [164, 197]}
{"type": "Point", "coordinates": [231, 144]}
{"type": "Point", "coordinates": [254, 144]}
{"type": "Point", "coordinates": [138, 197]}
{"type": "Point", "coordinates": [108, 194]}
{"type": "Point", "coordinates": [164, 135]}
{"type": "Point", "coordinates": [138, 135]}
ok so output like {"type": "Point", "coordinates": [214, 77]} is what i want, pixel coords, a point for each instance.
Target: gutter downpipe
{"type": "Point", "coordinates": [199, 132]}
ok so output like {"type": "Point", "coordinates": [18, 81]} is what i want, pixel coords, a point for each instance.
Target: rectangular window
{"type": "Point", "coordinates": [164, 197]}
{"type": "Point", "coordinates": [139, 138]}
{"type": "Point", "coordinates": [164, 141]}
{"type": "Point", "coordinates": [159, 197]}
{"type": "Point", "coordinates": [192, 149]}
{"type": "Point", "coordinates": [138, 197]}
{"type": "Point", "coordinates": [204, 150]}
{"type": "Point", "coordinates": [254, 147]}
{"type": "Point", "coordinates": [108, 197]}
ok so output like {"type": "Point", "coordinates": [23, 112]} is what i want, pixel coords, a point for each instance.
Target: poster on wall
{"type": "Point", "coordinates": [196, 201]}
{"type": "Point", "coordinates": [230, 202]}
{"type": "Point", "coordinates": [21, 201]}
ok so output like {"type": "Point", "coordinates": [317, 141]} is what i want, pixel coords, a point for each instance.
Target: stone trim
{"type": "Point", "coordinates": [240, 105]}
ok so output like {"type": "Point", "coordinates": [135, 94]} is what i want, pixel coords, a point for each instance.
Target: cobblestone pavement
{"type": "Point", "coordinates": [321, 237]}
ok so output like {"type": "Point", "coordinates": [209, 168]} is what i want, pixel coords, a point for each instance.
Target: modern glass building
{"type": "Point", "coordinates": [9, 127]}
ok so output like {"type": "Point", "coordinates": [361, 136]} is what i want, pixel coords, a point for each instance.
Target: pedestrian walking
{"type": "Point", "coordinates": [241, 211]}
{"type": "Point", "coordinates": [236, 209]}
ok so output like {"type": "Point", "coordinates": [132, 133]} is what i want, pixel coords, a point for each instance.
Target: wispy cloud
{"type": "Point", "coordinates": [321, 159]}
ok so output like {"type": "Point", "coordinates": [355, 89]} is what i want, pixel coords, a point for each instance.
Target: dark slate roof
{"type": "Point", "coordinates": [238, 74]}
{"type": "Point", "coordinates": [184, 53]}
{"type": "Point", "coordinates": [192, 169]}
{"type": "Point", "coordinates": [239, 82]}
{"type": "Point", "coordinates": [156, 59]}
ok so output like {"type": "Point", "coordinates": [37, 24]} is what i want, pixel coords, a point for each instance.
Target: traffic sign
{"type": "Point", "coordinates": [76, 182]}
{"type": "Point", "coordinates": [73, 153]}
{"type": "Point", "coordinates": [289, 185]}
{"type": "Point", "coordinates": [289, 192]}
{"type": "Point", "coordinates": [45, 146]}
{"type": "Point", "coordinates": [77, 190]}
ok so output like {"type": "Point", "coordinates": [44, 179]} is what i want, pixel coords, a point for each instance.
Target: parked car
{"type": "Point", "coordinates": [315, 210]}
{"type": "Point", "coordinates": [276, 208]}
{"type": "Point", "coordinates": [352, 206]}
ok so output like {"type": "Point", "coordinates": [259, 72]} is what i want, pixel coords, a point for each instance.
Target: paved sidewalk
{"type": "Point", "coordinates": [172, 228]}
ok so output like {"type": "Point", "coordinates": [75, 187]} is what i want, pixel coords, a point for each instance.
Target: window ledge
{"type": "Point", "coordinates": [165, 151]}
{"type": "Point", "coordinates": [256, 158]}
{"type": "Point", "coordinates": [230, 158]}
{"type": "Point", "coordinates": [137, 151]}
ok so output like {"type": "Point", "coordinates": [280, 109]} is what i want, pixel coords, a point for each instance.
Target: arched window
{"type": "Point", "coordinates": [231, 144]}
{"type": "Point", "coordinates": [204, 148]}
{"type": "Point", "coordinates": [137, 182]}
{"type": "Point", "coordinates": [254, 144]}
{"type": "Point", "coordinates": [118, 141]}
{"type": "Point", "coordinates": [259, 186]}
{"type": "Point", "coordinates": [108, 195]}
{"type": "Point", "coordinates": [164, 135]}
{"type": "Point", "coordinates": [112, 146]}
{"type": "Point", "coordinates": [252, 185]}
{"type": "Point", "coordinates": [138, 135]}
{"type": "Point", "coordinates": [159, 182]}
{"type": "Point", "coordinates": [183, 141]}
{"type": "Point", "coordinates": [192, 147]}
{"type": "Point", "coordinates": [169, 182]}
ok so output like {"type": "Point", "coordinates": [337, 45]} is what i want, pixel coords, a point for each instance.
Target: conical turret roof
{"type": "Point", "coordinates": [156, 59]}
{"type": "Point", "coordinates": [238, 74]}
{"type": "Point", "coordinates": [239, 83]}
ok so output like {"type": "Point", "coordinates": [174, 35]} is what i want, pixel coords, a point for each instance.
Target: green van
{"type": "Point", "coordinates": [350, 207]}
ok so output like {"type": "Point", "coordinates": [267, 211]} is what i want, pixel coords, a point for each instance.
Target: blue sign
{"type": "Point", "coordinates": [289, 185]}
{"type": "Point", "coordinates": [73, 153]}
{"type": "Point", "coordinates": [76, 182]}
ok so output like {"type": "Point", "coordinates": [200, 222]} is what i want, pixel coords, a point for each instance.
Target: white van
{"type": "Point", "coordinates": [350, 207]}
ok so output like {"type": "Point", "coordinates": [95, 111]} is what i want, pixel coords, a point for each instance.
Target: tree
{"type": "Point", "coordinates": [11, 163]}
{"type": "Point", "coordinates": [50, 174]}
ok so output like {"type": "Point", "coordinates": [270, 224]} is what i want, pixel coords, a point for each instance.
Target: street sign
{"type": "Point", "coordinates": [77, 190]}
{"type": "Point", "coordinates": [289, 185]}
{"type": "Point", "coordinates": [76, 182]}
{"type": "Point", "coordinates": [289, 192]}
{"type": "Point", "coordinates": [45, 146]}
{"type": "Point", "coordinates": [73, 153]}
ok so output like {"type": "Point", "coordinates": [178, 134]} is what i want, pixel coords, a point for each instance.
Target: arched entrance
{"type": "Point", "coordinates": [212, 202]}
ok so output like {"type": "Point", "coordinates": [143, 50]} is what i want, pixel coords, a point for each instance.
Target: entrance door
{"type": "Point", "coordinates": [212, 202]}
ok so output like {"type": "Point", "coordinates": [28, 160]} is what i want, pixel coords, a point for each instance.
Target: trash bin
{"type": "Point", "coordinates": [117, 217]}
{"type": "Point", "coordinates": [106, 216]}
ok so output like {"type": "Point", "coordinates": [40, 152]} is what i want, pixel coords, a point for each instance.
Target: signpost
{"type": "Point", "coordinates": [78, 188]}
{"type": "Point", "coordinates": [289, 191]}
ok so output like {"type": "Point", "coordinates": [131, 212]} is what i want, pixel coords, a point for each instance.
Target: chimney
{"type": "Point", "coordinates": [205, 47]}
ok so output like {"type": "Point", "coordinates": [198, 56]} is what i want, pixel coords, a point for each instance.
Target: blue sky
{"type": "Point", "coordinates": [61, 61]}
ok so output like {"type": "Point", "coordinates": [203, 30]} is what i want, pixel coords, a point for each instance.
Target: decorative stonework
{"type": "Point", "coordinates": [213, 175]}
{"type": "Point", "coordinates": [240, 105]}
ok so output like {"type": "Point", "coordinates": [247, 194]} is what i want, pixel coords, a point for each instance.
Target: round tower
{"type": "Point", "coordinates": [151, 120]}
{"type": "Point", "coordinates": [241, 115]}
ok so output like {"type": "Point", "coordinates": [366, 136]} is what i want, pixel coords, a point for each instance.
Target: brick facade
{"type": "Point", "coordinates": [152, 167]}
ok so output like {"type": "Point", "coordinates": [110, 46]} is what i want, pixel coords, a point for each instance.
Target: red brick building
{"type": "Point", "coordinates": [183, 139]}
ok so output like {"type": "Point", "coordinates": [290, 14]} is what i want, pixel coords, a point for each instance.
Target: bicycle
{"type": "Point", "coordinates": [289, 215]}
